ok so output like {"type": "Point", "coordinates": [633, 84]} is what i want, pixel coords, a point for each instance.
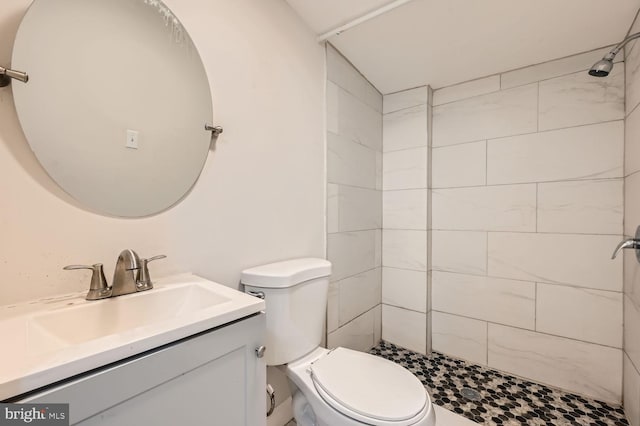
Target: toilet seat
{"type": "Point", "coordinates": [369, 389]}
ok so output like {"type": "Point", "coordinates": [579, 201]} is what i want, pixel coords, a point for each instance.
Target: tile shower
{"type": "Point", "coordinates": [490, 233]}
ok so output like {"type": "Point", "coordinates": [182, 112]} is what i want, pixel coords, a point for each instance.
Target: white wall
{"type": "Point", "coordinates": [261, 196]}
{"type": "Point", "coordinates": [354, 219]}
{"type": "Point", "coordinates": [631, 222]}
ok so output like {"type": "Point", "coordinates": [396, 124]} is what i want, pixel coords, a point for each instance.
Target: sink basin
{"type": "Point", "coordinates": [123, 314]}
{"type": "Point", "coordinates": [58, 338]}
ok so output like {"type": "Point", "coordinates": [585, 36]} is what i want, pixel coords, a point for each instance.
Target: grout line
{"type": "Point", "coordinates": [354, 186]}
{"type": "Point", "coordinates": [486, 266]}
{"type": "Point", "coordinates": [362, 230]}
{"type": "Point", "coordinates": [529, 330]}
{"type": "Point", "coordinates": [405, 308]}
{"type": "Point", "coordinates": [535, 308]}
{"type": "Point", "coordinates": [558, 284]}
{"type": "Point", "coordinates": [354, 275]}
{"type": "Point", "coordinates": [487, 345]}
{"type": "Point", "coordinates": [486, 162]}
{"type": "Point", "coordinates": [537, 205]}
{"type": "Point", "coordinates": [538, 108]}
{"type": "Point", "coordinates": [588, 179]}
{"type": "Point", "coordinates": [404, 108]}
{"type": "Point", "coordinates": [568, 234]}
{"type": "Point", "coordinates": [597, 123]}
{"type": "Point", "coordinates": [411, 148]}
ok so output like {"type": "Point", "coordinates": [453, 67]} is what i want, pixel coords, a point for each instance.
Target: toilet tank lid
{"type": "Point", "coordinates": [286, 274]}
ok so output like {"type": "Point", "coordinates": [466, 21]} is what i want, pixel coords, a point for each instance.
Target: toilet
{"type": "Point", "coordinates": [338, 387]}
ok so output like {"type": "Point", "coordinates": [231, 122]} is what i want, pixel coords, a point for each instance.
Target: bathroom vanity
{"type": "Point", "coordinates": [186, 352]}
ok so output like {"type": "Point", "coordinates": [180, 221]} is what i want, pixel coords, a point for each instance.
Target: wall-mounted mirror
{"type": "Point", "coordinates": [116, 104]}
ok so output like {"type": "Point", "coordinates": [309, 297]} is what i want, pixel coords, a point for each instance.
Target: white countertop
{"type": "Point", "coordinates": [32, 358]}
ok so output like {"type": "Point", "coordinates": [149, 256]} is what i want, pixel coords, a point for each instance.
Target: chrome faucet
{"type": "Point", "coordinates": [124, 276]}
{"type": "Point", "coordinates": [131, 275]}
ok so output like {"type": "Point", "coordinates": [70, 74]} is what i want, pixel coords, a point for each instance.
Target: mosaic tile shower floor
{"type": "Point", "coordinates": [506, 400]}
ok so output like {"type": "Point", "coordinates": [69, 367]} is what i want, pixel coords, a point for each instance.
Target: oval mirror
{"type": "Point", "coordinates": [116, 104]}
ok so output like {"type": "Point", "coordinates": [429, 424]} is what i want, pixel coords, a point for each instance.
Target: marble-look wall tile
{"type": "Point", "coordinates": [343, 74]}
{"type": "Point", "coordinates": [553, 155]}
{"type": "Point", "coordinates": [358, 334]}
{"type": "Point", "coordinates": [405, 289]}
{"type": "Point", "coordinates": [333, 109]}
{"type": "Point", "coordinates": [405, 328]}
{"type": "Point", "coordinates": [333, 209]}
{"type": "Point", "coordinates": [632, 142]}
{"type": "Point", "coordinates": [581, 260]}
{"type": "Point", "coordinates": [404, 249]}
{"type": "Point", "coordinates": [405, 209]}
{"type": "Point", "coordinates": [466, 90]}
{"type": "Point", "coordinates": [358, 122]}
{"type": "Point", "coordinates": [459, 165]}
{"type": "Point", "coordinates": [491, 299]}
{"type": "Point", "coordinates": [460, 337]}
{"type": "Point", "coordinates": [359, 294]}
{"type": "Point", "coordinates": [581, 367]}
{"type": "Point", "coordinates": [632, 203]}
{"type": "Point", "coordinates": [378, 248]}
{"type": "Point", "coordinates": [405, 99]}
{"type": "Point", "coordinates": [486, 208]}
{"type": "Point", "coordinates": [333, 307]}
{"type": "Point", "coordinates": [359, 209]}
{"type": "Point", "coordinates": [589, 207]}
{"type": "Point", "coordinates": [459, 251]}
{"type": "Point", "coordinates": [405, 169]}
{"type": "Point", "coordinates": [350, 163]}
{"type": "Point", "coordinates": [632, 69]}
{"type": "Point", "coordinates": [351, 253]}
{"type": "Point", "coordinates": [559, 67]}
{"type": "Point", "coordinates": [578, 99]}
{"type": "Point", "coordinates": [583, 314]}
{"type": "Point", "coordinates": [632, 330]}
{"type": "Point", "coordinates": [631, 277]}
{"type": "Point", "coordinates": [631, 392]}
{"type": "Point", "coordinates": [379, 170]}
{"type": "Point", "coordinates": [377, 324]}
{"type": "Point", "coordinates": [406, 128]}
{"type": "Point", "coordinates": [505, 113]}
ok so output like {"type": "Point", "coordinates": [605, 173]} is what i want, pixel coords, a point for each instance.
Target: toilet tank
{"type": "Point", "coordinates": [295, 294]}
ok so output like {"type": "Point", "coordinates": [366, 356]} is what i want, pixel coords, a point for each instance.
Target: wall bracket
{"type": "Point", "coordinates": [6, 75]}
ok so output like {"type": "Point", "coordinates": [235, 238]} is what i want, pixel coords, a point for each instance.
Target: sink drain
{"type": "Point", "coordinates": [471, 394]}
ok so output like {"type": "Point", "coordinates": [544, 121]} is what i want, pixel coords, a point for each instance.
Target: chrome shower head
{"type": "Point", "coordinates": [602, 68]}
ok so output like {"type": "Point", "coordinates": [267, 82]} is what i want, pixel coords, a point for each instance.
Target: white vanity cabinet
{"type": "Point", "coordinates": [212, 378]}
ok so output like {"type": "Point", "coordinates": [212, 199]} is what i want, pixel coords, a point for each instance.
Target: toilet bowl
{"type": "Point", "coordinates": [343, 387]}
{"type": "Point", "coordinates": [337, 387]}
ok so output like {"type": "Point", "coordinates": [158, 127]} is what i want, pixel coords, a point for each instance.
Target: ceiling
{"type": "Point", "coordinates": [443, 42]}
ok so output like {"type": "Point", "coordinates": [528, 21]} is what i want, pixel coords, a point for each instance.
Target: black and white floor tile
{"type": "Point", "coordinates": [499, 399]}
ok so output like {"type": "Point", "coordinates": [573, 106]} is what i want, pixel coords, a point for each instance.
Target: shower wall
{"type": "Point", "coordinates": [631, 221]}
{"type": "Point", "coordinates": [354, 216]}
{"type": "Point", "coordinates": [405, 237]}
{"type": "Point", "coordinates": [527, 205]}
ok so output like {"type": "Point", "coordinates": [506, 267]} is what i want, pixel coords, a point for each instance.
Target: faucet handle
{"type": "Point", "coordinates": [629, 243]}
{"type": "Point", "coordinates": [144, 279]}
{"type": "Point", "coordinates": [99, 289]}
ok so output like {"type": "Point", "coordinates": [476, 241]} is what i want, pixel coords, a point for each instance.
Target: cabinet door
{"type": "Point", "coordinates": [211, 379]}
